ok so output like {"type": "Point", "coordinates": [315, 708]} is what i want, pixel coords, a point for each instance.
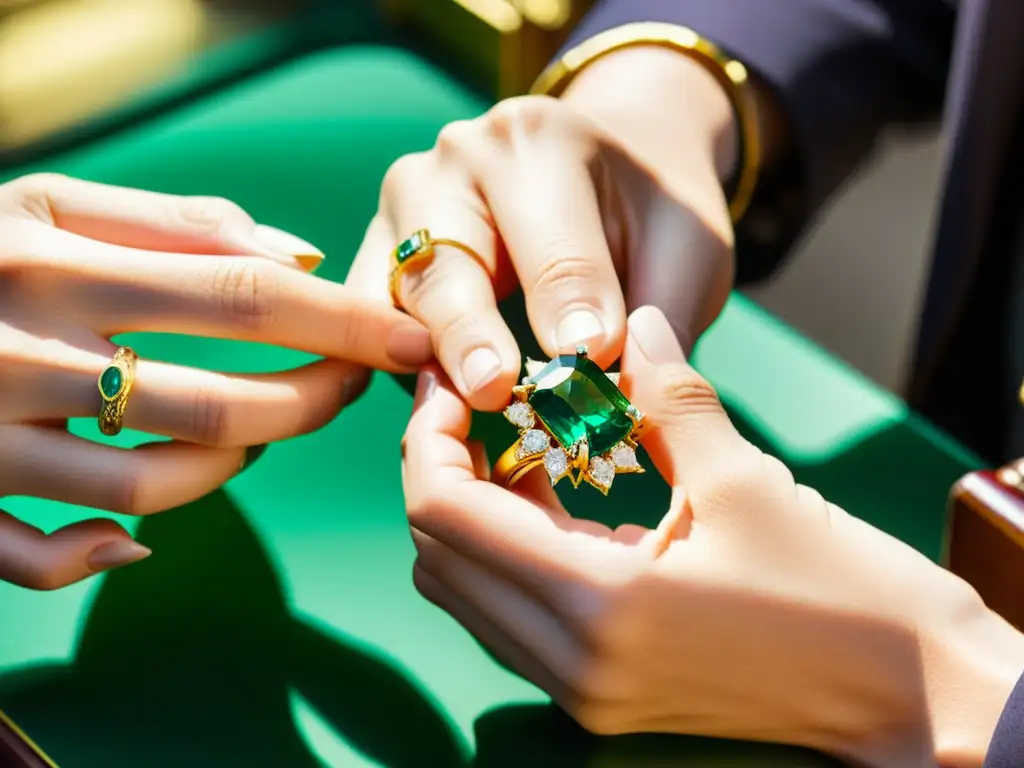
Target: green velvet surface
{"type": "Point", "coordinates": [276, 623]}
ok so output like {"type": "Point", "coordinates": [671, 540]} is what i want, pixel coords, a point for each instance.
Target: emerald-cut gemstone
{"type": "Point", "coordinates": [111, 381]}
{"type": "Point", "coordinates": [575, 400]}
{"type": "Point", "coordinates": [409, 248]}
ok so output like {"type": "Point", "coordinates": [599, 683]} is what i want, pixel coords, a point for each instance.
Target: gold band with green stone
{"type": "Point", "coordinates": [115, 384]}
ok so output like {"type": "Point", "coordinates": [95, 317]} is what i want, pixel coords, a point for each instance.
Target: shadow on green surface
{"type": "Point", "coordinates": [183, 661]}
{"type": "Point", "coordinates": [189, 658]}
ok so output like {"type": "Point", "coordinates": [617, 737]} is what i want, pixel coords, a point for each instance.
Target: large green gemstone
{"type": "Point", "coordinates": [111, 381]}
{"type": "Point", "coordinates": [575, 399]}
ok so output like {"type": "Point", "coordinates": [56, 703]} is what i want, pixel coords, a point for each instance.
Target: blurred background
{"type": "Point", "coordinates": [72, 71]}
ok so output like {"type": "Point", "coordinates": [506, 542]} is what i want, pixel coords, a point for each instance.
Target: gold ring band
{"type": "Point", "coordinates": [115, 384]}
{"type": "Point", "coordinates": [574, 421]}
{"type": "Point", "coordinates": [418, 251]}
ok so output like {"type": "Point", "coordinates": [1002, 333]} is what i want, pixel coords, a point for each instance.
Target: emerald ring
{"type": "Point", "coordinates": [115, 383]}
{"type": "Point", "coordinates": [417, 252]}
{"type": "Point", "coordinates": [574, 421]}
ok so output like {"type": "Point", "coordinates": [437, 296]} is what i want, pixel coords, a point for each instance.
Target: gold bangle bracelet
{"type": "Point", "coordinates": [729, 72]}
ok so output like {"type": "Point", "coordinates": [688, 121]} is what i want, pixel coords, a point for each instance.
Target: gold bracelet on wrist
{"type": "Point", "coordinates": [729, 72]}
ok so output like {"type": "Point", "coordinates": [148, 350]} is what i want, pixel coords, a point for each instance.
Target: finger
{"type": "Point", "coordinates": [679, 264]}
{"type": "Point", "coordinates": [504, 648]}
{"type": "Point", "coordinates": [371, 268]}
{"type": "Point", "coordinates": [541, 192]}
{"type": "Point", "coordinates": [453, 295]}
{"type": "Point", "coordinates": [188, 404]}
{"type": "Point", "coordinates": [48, 464]}
{"type": "Point", "coordinates": [35, 560]}
{"type": "Point", "coordinates": [153, 221]}
{"type": "Point", "coordinates": [113, 289]}
{"type": "Point", "coordinates": [687, 432]}
{"type": "Point", "coordinates": [527, 637]}
{"type": "Point", "coordinates": [544, 551]}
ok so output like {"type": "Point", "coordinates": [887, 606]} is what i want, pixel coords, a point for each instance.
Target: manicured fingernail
{"type": "Point", "coordinates": [578, 327]}
{"type": "Point", "coordinates": [426, 385]}
{"type": "Point", "coordinates": [252, 454]}
{"type": "Point", "coordinates": [652, 333]}
{"type": "Point", "coordinates": [115, 554]}
{"type": "Point", "coordinates": [307, 255]}
{"type": "Point", "coordinates": [479, 368]}
{"type": "Point", "coordinates": [410, 346]}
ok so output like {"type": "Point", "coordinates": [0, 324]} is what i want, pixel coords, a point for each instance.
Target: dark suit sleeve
{"type": "Point", "coordinates": [841, 69]}
{"type": "Point", "coordinates": [1007, 748]}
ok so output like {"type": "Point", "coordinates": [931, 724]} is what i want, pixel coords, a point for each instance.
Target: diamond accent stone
{"type": "Point", "coordinates": [624, 457]}
{"type": "Point", "coordinates": [533, 442]}
{"type": "Point", "coordinates": [556, 462]}
{"type": "Point", "coordinates": [521, 415]}
{"type": "Point", "coordinates": [601, 471]}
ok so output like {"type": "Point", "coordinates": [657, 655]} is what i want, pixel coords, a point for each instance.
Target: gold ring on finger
{"type": "Point", "coordinates": [417, 252]}
{"type": "Point", "coordinates": [115, 383]}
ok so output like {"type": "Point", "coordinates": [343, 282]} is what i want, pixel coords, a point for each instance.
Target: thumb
{"type": "Point", "coordinates": [687, 432]}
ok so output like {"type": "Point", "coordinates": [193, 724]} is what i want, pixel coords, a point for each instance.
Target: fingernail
{"type": "Point", "coordinates": [426, 385]}
{"type": "Point", "coordinates": [115, 554]}
{"type": "Point", "coordinates": [652, 333]}
{"type": "Point", "coordinates": [307, 255]}
{"type": "Point", "coordinates": [252, 454]}
{"type": "Point", "coordinates": [578, 327]}
{"type": "Point", "coordinates": [479, 368]}
{"type": "Point", "coordinates": [409, 345]}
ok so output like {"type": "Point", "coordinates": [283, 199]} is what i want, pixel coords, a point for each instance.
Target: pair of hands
{"type": "Point", "coordinates": [564, 198]}
{"type": "Point", "coordinates": [751, 589]}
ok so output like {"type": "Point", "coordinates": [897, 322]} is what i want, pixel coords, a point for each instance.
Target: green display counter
{"type": "Point", "coordinates": [276, 623]}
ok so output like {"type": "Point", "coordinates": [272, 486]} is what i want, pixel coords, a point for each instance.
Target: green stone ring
{"type": "Point", "coordinates": [572, 419]}
{"type": "Point", "coordinates": [115, 383]}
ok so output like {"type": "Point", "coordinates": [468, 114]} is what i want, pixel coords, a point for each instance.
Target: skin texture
{"type": "Point", "coordinates": [592, 204]}
{"type": "Point", "coordinates": [81, 262]}
{"type": "Point", "coordinates": [752, 588]}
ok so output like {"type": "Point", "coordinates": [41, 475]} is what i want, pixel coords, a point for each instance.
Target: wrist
{"type": "Point", "coordinates": [664, 107]}
{"type": "Point", "coordinates": [970, 672]}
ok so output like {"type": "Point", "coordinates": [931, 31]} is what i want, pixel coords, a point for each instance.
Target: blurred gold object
{"type": "Point", "coordinates": [65, 61]}
{"type": "Point", "coordinates": [503, 44]}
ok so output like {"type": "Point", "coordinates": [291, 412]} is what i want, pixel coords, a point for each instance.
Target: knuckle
{"type": "Point", "coordinates": [461, 330]}
{"type": "Point", "coordinates": [402, 173]}
{"type": "Point", "coordinates": [126, 494]}
{"type": "Point", "coordinates": [424, 583]}
{"type": "Point", "coordinates": [246, 289]}
{"type": "Point", "coordinates": [208, 418]}
{"type": "Point", "coordinates": [522, 117]}
{"type": "Point", "coordinates": [40, 577]}
{"type": "Point", "coordinates": [564, 271]}
{"type": "Point", "coordinates": [597, 717]}
{"type": "Point", "coordinates": [453, 138]}
{"type": "Point", "coordinates": [209, 215]}
{"type": "Point", "coordinates": [33, 194]}
{"type": "Point", "coordinates": [685, 392]}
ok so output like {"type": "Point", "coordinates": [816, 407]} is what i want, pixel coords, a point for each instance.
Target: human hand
{"type": "Point", "coordinates": [600, 201]}
{"type": "Point", "coordinates": [81, 262]}
{"type": "Point", "coordinates": [755, 610]}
